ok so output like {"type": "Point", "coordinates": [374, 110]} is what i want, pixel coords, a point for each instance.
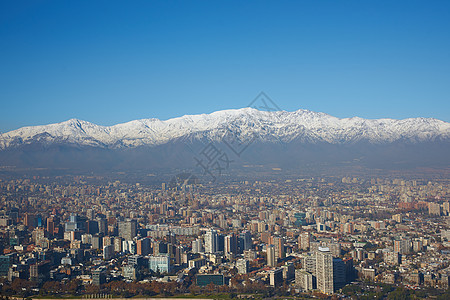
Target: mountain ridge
{"type": "Point", "coordinates": [281, 126]}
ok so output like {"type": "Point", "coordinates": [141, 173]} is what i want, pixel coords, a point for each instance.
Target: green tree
{"type": "Point", "coordinates": [400, 294]}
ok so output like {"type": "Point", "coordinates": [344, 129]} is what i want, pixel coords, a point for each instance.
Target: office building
{"type": "Point", "coordinates": [230, 247]}
{"type": "Point", "coordinates": [159, 263]}
{"type": "Point", "coordinates": [197, 246]}
{"type": "Point", "coordinates": [128, 229]}
{"type": "Point", "coordinates": [98, 276]}
{"type": "Point", "coordinates": [324, 271]}
{"type": "Point", "coordinates": [143, 246]}
{"type": "Point", "coordinates": [108, 252]}
{"type": "Point", "coordinates": [271, 258]}
{"type": "Point", "coordinates": [245, 241]}
{"type": "Point", "coordinates": [242, 266]}
{"type": "Point", "coordinates": [276, 277]}
{"type": "Point", "coordinates": [211, 241]}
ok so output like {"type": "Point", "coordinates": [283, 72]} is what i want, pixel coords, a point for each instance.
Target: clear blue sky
{"type": "Point", "coordinates": [114, 61]}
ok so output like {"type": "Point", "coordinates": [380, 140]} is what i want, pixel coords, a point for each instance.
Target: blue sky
{"type": "Point", "coordinates": [114, 61]}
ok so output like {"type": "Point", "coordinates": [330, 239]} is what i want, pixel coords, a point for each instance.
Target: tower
{"type": "Point", "coordinates": [128, 229]}
{"type": "Point", "coordinates": [324, 271]}
{"type": "Point", "coordinates": [271, 258]}
{"type": "Point", "coordinates": [211, 241]}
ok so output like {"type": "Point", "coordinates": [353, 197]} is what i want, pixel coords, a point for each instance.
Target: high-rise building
{"type": "Point", "coordinates": [220, 242]}
{"type": "Point", "coordinates": [288, 271]}
{"type": "Point", "coordinates": [245, 241]}
{"type": "Point", "coordinates": [304, 280]}
{"type": "Point", "coordinates": [391, 257]}
{"type": "Point", "coordinates": [108, 240]}
{"type": "Point", "coordinates": [309, 263]}
{"type": "Point", "coordinates": [118, 244]}
{"type": "Point", "coordinates": [130, 272]}
{"type": "Point", "coordinates": [324, 271]}
{"type": "Point", "coordinates": [402, 246]}
{"type": "Point", "coordinates": [91, 227]}
{"type": "Point", "coordinates": [136, 260]}
{"type": "Point", "coordinates": [40, 271]}
{"type": "Point", "coordinates": [97, 242]}
{"type": "Point", "coordinates": [304, 240]}
{"type": "Point", "coordinates": [38, 234]}
{"type": "Point", "coordinates": [242, 266]}
{"type": "Point", "coordinates": [179, 251]}
{"type": "Point", "coordinates": [211, 241]}
{"type": "Point", "coordinates": [108, 252]}
{"type": "Point", "coordinates": [230, 244]}
{"type": "Point", "coordinates": [98, 276]}
{"type": "Point", "coordinates": [359, 254]}
{"type": "Point", "coordinates": [75, 223]}
{"type": "Point", "coordinates": [446, 208]}
{"type": "Point", "coordinates": [339, 270]}
{"type": "Point", "coordinates": [434, 209]}
{"type": "Point", "coordinates": [197, 246]}
{"type": "Point", "coordinates": [5, 262]}
{"type": "Point", "coordinates": [250, 255]}
{"type": "Point", "coordinates": [52, 225]}
{"type": "Point", "coordinates": [90, 213]}
{"type": "Point", "coordinates": [278, 242]}
{"type": "Point", "coordinates": [30, 221]}
{"type": "Point", "coordinates": [129, 246]}
{"type": "Point", "coordinates": [102, 225]}
{"type": "Point", "coordinates": [271, 258]}
{"type": "Point", "coordinates": [143, 246]}
{"type": "Point", "coordinates": [417, 245]}
{"type": "Point", "coordinates": [276, 277]}
{"type": "Point", "coordinates": [397, 218]}
{"type": "Point", "coordinates": [347, 228]}
{"type": "Point", "coordinates": [128, 229]}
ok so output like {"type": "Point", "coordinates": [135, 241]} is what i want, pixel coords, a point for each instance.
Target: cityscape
{"type": "Point", "coordinates": [305, 237]}
{"type": "Point", "coordinates": [279, 150]}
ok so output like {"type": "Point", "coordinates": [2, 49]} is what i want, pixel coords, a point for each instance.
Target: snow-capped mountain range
{"type": "Point", "coordinates": [281, 126]}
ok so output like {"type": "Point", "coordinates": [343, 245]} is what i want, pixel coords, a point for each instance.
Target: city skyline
{"type": "Point", "coordinates": [378, 236]}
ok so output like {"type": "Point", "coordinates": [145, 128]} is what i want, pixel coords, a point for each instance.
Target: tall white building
{"type": "Point", "coordinates": [271, 258]}
{"type": "Point", "coordinates": [324, 271]}
{"type": "Point", "coordinates": [197, 246]}
{"type": "Point", "coordinates": [211, 241]}
{"type": "Point", "coordinates": [242, 266]}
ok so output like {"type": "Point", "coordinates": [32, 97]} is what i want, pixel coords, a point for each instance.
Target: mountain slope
{"type": "Point", "coordinates": [299, 141]}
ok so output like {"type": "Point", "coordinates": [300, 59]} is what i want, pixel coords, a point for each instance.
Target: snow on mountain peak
{"type": "Point", "coordinates": [301, 125]}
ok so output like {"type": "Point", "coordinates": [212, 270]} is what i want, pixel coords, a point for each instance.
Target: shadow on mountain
{"type": "Point", "coordinates": [182, 154]}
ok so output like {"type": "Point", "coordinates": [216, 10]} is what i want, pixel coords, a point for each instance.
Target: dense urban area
{"type": "Point", "coordinates": [330, 237]}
